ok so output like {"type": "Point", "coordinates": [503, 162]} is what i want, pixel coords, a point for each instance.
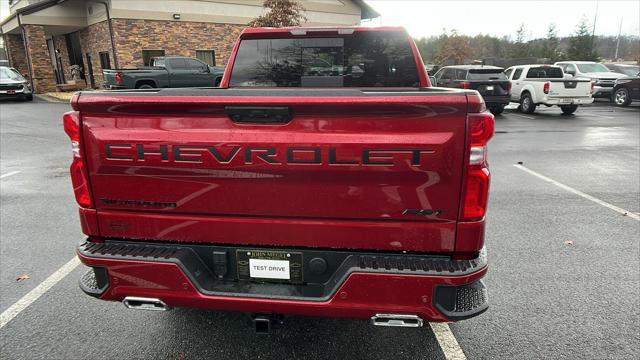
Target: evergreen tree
{"type": "Point", "coordinates": [581, 44]}
{"type": "Point", "coordinates": [281, 13]}
{"type": "Point", "coordinates": [550, 45]}
{"type": "Point", "coordinates": [520, 48]}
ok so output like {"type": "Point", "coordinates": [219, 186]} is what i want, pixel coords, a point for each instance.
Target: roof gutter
{"type": "Point", "coordinates": [26, 51]}
{"type": "Point", "coordinates": [109, 23]}
{"type": "Point", "coordinates": [26, 10]}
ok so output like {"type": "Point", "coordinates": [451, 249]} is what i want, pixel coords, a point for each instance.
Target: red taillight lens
{"type": "Point", "coordinates": [119, 77]}
{"type": "Point", "coordinates": [481, 128]}
{"type": "Point", "coordinates": [476, 194]}
{"type": "Point", "coordinates": [508, 86]}
{"type": "Point", "coordinates": [593, 85]}
{"type": "Point", "coordinates": [71, 122]}
{"type": "Point", "coordinates": [545, 87]}
{"type": "Point", "coordinates": [465, 84]}
{"type": "Point", "coordinates": [481, 125]}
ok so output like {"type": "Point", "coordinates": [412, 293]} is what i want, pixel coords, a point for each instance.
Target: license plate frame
{"type": "Point", "coordinates": [247, 258]}
{"type": "Point", "coordinates": [566, 101]}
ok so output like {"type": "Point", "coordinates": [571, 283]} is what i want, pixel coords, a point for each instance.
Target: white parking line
{"type": "Point", "coordinates": [448, 342]}
{"type": "Point", "coordinates": [9, 174]}
{"type": "Point", "coordinates": [523, 116]}
{"type": "Point", "coordinates": [34, 294]}
{"type": "Point", "coordinates": [596, 115]}
{"type": "Point", "coordinates": [580, 193]}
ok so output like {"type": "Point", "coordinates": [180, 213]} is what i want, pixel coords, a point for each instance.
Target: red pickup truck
{"type": "Point", "coordinates": [325, 177]}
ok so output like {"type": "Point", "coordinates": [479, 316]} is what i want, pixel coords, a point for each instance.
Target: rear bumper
{"type": "Point", "coordinates": [496, 100]}
{"type": "Point", "coordinates": [434, 288]}
{"type": "Point", "coordinates": [580, 100]}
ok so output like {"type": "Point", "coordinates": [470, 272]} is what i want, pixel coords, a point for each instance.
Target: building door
{"type": "Point", "coordinates": [75, 51]}
{"type": "Point", "coordinates": [92, 81]}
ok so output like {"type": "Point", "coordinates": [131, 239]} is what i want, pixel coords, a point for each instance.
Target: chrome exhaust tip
{"type": "Point", "coordinates": [143, 303]}
{"type": "Point", "coordinates": [397, 320]}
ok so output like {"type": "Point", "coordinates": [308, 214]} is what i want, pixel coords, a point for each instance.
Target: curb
{"type": "Point", "coordinates": [50, 99]}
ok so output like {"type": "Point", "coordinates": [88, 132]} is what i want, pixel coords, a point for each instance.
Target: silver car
{"type": "Point", "coordinates": [13, 85]}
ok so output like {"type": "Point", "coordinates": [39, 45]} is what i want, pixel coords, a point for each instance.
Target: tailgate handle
{"type": "Point", "coordinates": [259, 114]}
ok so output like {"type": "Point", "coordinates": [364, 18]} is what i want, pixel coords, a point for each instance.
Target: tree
{"type": "Point", "coordinates": [280, 13]}
{"type": "Point", "coordinates": [520, 48]}
{"type": "Point", "coordinates": [581, 44]}
{"type": "Point", "coordinates": [455, 49]}
{"type": "Point", "coordinates": [550, 45]}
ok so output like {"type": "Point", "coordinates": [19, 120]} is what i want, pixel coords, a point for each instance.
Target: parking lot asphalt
{"type": "Point", "coordinates": [563, 280]}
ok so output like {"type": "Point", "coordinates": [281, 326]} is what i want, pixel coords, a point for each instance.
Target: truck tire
{"type": "Point", "coordinates": [621, 97]}
{"type": "Point", "coordinates": [145, 86]}
{"type": "Point", "coordinates": [568, 109]}
{"type": "Point", "coordinates": [496, 109]}
{"type": "Point", "coordinates": [526, 103]}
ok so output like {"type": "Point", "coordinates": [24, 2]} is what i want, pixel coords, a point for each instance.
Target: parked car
{"type": "Point", "coordinates": [431, 68]}
{"type": "Point", "coordinates": [533, 85]}
{"type": "Point", "coordinates": [603, 78]}
{"type": "Point", "coordinates": [489, 81]}
{"type": "Point", "coordinates": [164, 72]}
{"type": "Point", "coordinates": [13, 85]}
{"type": "Point", "coordinates": [626, 69]}
{"type": "Point", "coordinates": [275, 201]}
{"type": "Point", "coordinates": [626, 90]}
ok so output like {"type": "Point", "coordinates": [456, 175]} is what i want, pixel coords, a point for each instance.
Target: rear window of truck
{"type": "Point", "coordinates": [486, 74]}
{"type": "Point", "coordinates": [363, 59]}
{"type": "Point", "coordinates": [545, 72]}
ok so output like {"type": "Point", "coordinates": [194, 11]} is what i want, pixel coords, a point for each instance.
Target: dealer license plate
{"type": "Point", "coordinates": [268, 265]}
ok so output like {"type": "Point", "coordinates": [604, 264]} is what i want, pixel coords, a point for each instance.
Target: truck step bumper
{"type": "Point", "coordinates": [434, 288]}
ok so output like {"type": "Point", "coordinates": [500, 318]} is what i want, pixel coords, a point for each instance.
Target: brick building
{"type": "Point", "coordinates": [44, 38]}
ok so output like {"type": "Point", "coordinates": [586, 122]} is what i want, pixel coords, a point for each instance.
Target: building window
{"type": "Point", "coordinates": [148, 54]}
{"type": "Point", "coordinates": [207, 56]}
{"type": "Point", "coordinates": [105, 60]}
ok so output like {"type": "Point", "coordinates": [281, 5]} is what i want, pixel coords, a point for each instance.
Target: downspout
{"type": "Point", "coordinates": [26, 51]}
{"type": "Point", "coordinates": [113, 44]}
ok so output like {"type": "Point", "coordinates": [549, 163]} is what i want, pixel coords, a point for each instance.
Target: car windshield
{"type": "Point", "coordinates": [367, 59]}
{"type": "Point", "coordinates": [545, 72]}
{"type": "Point", "coordinates": [10, 74]}
{"type": "Point", "coordinates": [486, 74]}
{"type": "Point", "coordinates": [590, 68]}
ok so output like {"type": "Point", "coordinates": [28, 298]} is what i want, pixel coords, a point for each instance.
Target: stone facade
{"type": "Point", "coordinates": [175, 38]}
{"type": "Point", "coordinates": [42, 75]}
{"type": "Point", "coordinates": [16, 53]}
{"type": "Point", "coordinates": [60, 44]}
{"type": "Point", "coordinates": [95, 39]}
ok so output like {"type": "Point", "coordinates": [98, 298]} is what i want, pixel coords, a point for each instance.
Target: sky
{"type": "Point", "coordinates": [500, 18]}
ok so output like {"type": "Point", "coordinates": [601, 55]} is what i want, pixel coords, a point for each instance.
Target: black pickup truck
{"type": "Point", "coordinates": [165, 72]}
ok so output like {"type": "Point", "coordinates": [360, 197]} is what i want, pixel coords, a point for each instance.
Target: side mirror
{"type": "Point", "coordinates": [433, 81]}
{"type": "Point", "coordinates": [572, 73]}
{"type": "Point", "coordinates": [567, 76]}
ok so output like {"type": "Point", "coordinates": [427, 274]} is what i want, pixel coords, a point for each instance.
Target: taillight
{"type": "Point", "coordinates": [545, 87]}
{"type": "Point", "coordinates": [465, 84]}
{"type": "Point", "coordinates": [71, 122]}
{"type": "Point", "coordinates": [118, 77]}
{"type": "Point", "coordinates": [508, 86]}
{"type": "Point", "coordinates": [593, 85]}
{"type": "Point", "coordinates": [481, 126]}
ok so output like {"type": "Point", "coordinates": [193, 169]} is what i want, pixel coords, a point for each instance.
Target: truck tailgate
{"type": "Point", "coordinates": [569, 87]}
{"type": "Point", "coordinates": [351, 168]}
